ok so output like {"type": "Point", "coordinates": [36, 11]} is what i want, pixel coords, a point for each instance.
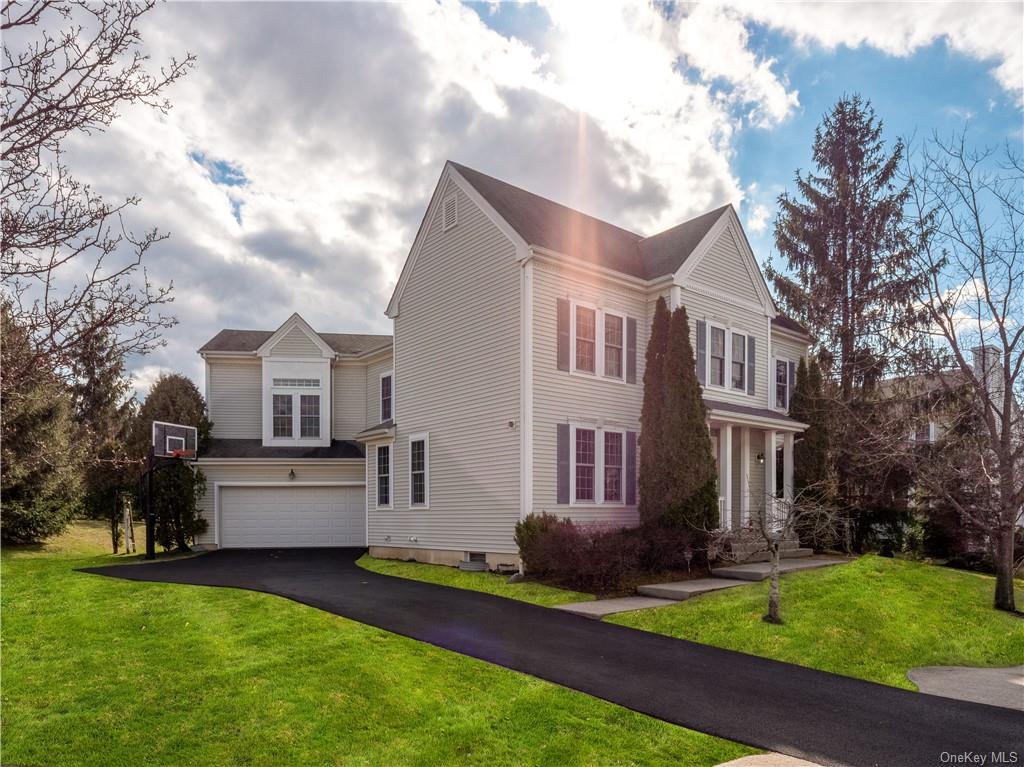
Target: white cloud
{"type": "Point", "coordinates": [988, 31]}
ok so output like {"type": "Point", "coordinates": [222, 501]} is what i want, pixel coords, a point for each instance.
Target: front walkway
{"type": "Point", "coordinates": [825, 718]}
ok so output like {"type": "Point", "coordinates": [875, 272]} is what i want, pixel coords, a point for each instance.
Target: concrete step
{"type": "Point", "coordinates": [599, 608]}
{"type": "Point", "coordinates": [759, 571]}
{"type": "Point", "coordinates": [762, 556]}
{"type": "Point", "coordinates": [680, 590]}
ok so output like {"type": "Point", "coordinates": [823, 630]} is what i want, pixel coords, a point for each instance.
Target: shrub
{"type": "Point", "coordinates": [35, 520]}
{"type": "Point", "coordinates": [664, 547]}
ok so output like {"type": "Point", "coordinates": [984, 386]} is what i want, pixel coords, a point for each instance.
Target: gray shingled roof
{"type": "Point", "coordinates": [250, 340]}
{"type": "Point", "coordinates": [253, 448]}
{"type": "Point", "coordinates": [761, 412]}
{"type": "Point", "coordinates": [547, 224]}
{"type": "Point", "coordinates": [788, 323]}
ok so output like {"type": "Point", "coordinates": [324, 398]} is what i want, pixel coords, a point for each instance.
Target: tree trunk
{"type": "Point", "coordinates": [773, 591]}
{"type": "Point", "coordinates": [114, 531]}
{"type": "Point", "coordinates": [1004, 599]}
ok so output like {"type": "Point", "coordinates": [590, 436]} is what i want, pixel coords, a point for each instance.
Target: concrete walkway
{"type": "Point", "coordinates": [681, 590]}
{"type": "Point", "coordinates": [599, 608]}
{"type": "Point", "coordinates": [760, 571]}
{"type": "Point", "coordinates": [768, 760]}
{"type": "Point", "coordinates": [994, 686]}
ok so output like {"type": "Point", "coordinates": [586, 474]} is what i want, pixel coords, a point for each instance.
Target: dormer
{"type": "Point", "coordinates": [296, 365]}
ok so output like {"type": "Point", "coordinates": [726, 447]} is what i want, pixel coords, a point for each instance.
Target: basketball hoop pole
{"type": "Point", "coordinates": [150, 516]}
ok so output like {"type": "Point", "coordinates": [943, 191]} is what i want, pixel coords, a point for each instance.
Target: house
{"type": "Point", "coordinates": [513, 384]}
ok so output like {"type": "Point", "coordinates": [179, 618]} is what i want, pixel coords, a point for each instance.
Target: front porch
{"type": "Point", "coordinates": [753, 450]}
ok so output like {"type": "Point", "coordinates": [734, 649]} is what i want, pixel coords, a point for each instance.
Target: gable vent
{"type": "Point", "coordinates": [450, 213]}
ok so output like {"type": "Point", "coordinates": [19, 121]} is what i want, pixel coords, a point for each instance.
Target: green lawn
{"type": "Point", "coordinates": [490, 583]}
{"type": "Point", "coordinates": [874, 618]}
{"type": "Point", "coordinates": [98, 671]}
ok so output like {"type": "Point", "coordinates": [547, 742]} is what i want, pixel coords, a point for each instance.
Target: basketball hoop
{"type": "Point", "coordinates": [182, 454]}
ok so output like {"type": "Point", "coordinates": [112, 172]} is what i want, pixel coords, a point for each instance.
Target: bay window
{"type": "Point", "coordinates": [282, 415]}
{"type": "Point", "coordinates": [309, 415]}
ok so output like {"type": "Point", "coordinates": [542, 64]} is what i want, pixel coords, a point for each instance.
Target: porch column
{"type": "Point", "coordinates": [769, 469]}
{"type": "Point", "coordinates": [744, 475]}
{"type": "Point", "coordinates": [725, 475]}
{"type": "Point", "coordinates": [787, 467]}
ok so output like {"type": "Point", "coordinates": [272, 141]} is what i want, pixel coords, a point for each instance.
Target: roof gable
{"type": "Point", "coordinates": [232, 341]}
{"type": "Point", "coordinates": [290, 326]}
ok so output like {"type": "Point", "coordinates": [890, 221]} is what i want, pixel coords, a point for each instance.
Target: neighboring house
{"type": "Point", "coordinates": [520, 327]}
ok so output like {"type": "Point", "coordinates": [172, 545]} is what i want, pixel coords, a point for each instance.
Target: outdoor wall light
{"type": "Point", "coordinates": [291, 474]}
{"type": "Point", "coordinates": [760, 457]}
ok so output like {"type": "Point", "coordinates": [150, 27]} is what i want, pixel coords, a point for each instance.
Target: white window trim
{"type": "Point", "coordinates": [295, 422]}
{"type": "Point", "coordinates": [726, 385]}
{"type": "Point", "coordinates": [391, 476]}
{"type": "Point", "coordinates": [599, 344]}
{"type": "Point", "coordinates": [746, 365]}
{"type": "Point", "coordinates": [297, 398]}
{"type": "Point", "coordinates": [599, 432]}
{"type": "Point", "coordinates": [774, 388]}
{"type": "Point", "coordinates": [425, 437]}
{"type": "Point", "coordinates": [296, 394]}
{"type": "Point", "coordinates": [380, 395]}
{"type": "Point", "coordinates": [167, 443]}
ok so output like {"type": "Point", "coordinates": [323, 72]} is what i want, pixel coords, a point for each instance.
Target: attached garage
{"type": "Point", "coordinates": [291, 515]}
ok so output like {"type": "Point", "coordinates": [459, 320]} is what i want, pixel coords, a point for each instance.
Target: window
{"type": "Point", "coordinates": [613, 345]}
{"type": "Point", "coordinates": [781, 384]}
{"type": "Point", "coordinates": [450, 213]}
{"type": "Point", "coordinates": [383, 475]}
{"type": "Point", "coordinates": [282, 413]}
{"type": "Point", "coordinates": [613, 466]}
{"type": "Point", "coordinates": [297, 383]}
{"type": "Point", "coordinates": [418, 470]}
{"type": "Point", "coordinates": [385, 397]}
{"type": "Point", "coordinates": [716, 357]}
{"type": "Point", "coordinates": [585, 464]}
{"type": "Point", "coordinates": [586, 339]}
{"type": "Point", "coordinates": [309, 415]}
{"type": "Point", "coordinates": [739, 361]}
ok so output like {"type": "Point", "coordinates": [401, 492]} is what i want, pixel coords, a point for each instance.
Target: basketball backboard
{"type": "Point", "coordinates": [174, 440]}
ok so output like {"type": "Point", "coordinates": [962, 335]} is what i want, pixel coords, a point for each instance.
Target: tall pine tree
{"type": "Point", "coordinates": [652, 458]}
{"type": "Point", "coordinates": [848, 274]}
{"type": "Point", "coordinates": [690, 475]}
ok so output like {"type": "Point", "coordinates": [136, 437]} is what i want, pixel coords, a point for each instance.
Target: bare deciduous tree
{"type": "Point", "coordinates": [969, 210]}
{"type": "Point", "coordinates": [767, 530]}
{"type": "Point", "coordinates": [69, 262]}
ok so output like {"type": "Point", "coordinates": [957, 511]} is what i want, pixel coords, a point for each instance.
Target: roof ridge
{"type": "Point", "coordinates": [460, 167]}
{"type": "Point", "coordinates": [713, 212]}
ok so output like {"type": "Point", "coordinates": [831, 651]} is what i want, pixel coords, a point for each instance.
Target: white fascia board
{"type": "Point", "coordinates": [278, 461]}
{"type": "Point", "coordinates": [568, 262]}
{"type": "Point", "coordinates": [761, 422]}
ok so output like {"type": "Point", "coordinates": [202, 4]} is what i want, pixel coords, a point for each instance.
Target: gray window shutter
{"type": "Point", "coordinates": [563, 334]}
{"type": "Point", "coordinates": [630, 350]}
{"type": "Point", "coordinates": [751, 363]}
{"type": "Point", "coordinates": [702, 352]}
{"type": "Point", "coordinates": [792, 383]}
{"type": "Point", "coordinates": [563, 463]}
{"type": "Point", "coordinates": [630, 468]}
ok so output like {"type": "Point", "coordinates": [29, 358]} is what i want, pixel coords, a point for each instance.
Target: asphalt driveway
{"type": "Point", "coordinates": [825, 718]}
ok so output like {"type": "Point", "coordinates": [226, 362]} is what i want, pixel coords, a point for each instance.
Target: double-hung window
{"type": "Point", "coordinates": [419, 491]}
{"type": "Point", "coordinates": [781, 384]}
{"type": "Point", "coordinates": [383, 475]}
{"type": "Point", "coordinates": [386, 397]}
{"type": "Point", "coordinates": [282, 405]}
{"type": "Point", "coordinates": [739, 361]}
{"type": "Point", "coordinates": [586, 339]}
{"type": "Point", "coordinates": [613, 466]}
{"type": "Point", "coordinates": [586, 463]}
{"type": "Point", "coordinates": [309, 415]}
{"type": "Point", "coordinates": [598, 465]}
{"type": "Point", "coordinates": [613, 345]}
{"type": "Point", "coordinates": [716, 356]}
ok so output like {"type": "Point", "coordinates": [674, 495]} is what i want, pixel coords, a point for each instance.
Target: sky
{"type": "Point", "coordinates": [301, 152]}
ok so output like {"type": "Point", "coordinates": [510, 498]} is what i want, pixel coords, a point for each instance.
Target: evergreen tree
{"type": "Point", "coordinates": [849, 275]}
{"type": "Point", "coordinates": [105, 413]}
{"type": "Point", "coordinates": [38, 449]}
{"type": "Point", "coordinates": [811, 450]}
{"type": "Point", "coordinates": [178, 489]}
{"type": "Point", "coordinates": [690, 476]}
{"type": "Point", "coordinates": [652, 456]}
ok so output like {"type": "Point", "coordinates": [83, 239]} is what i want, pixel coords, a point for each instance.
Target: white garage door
{"type": "Point", "coordinates": [292, 516]}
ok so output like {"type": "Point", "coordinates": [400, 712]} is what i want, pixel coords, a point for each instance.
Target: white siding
{"type": "Point", "coordinates": [724, 268]}
{"type": "Point", "coordinates": [561, 397]}
{"type": "Point", "coordinates": [457, 377]}
{"type": "Point", "coordinates": [787, 348]}
{"type": "Point", "coordinates": [741, 320]}
{"type": "Point", "coordinates": [236, 399]}
{"type": "Point", "coordinates": [295, 344]}
{"type": "Point", "coordinates": [348, 399]}
{"type": "Point", "coordinates": [261, 472]}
